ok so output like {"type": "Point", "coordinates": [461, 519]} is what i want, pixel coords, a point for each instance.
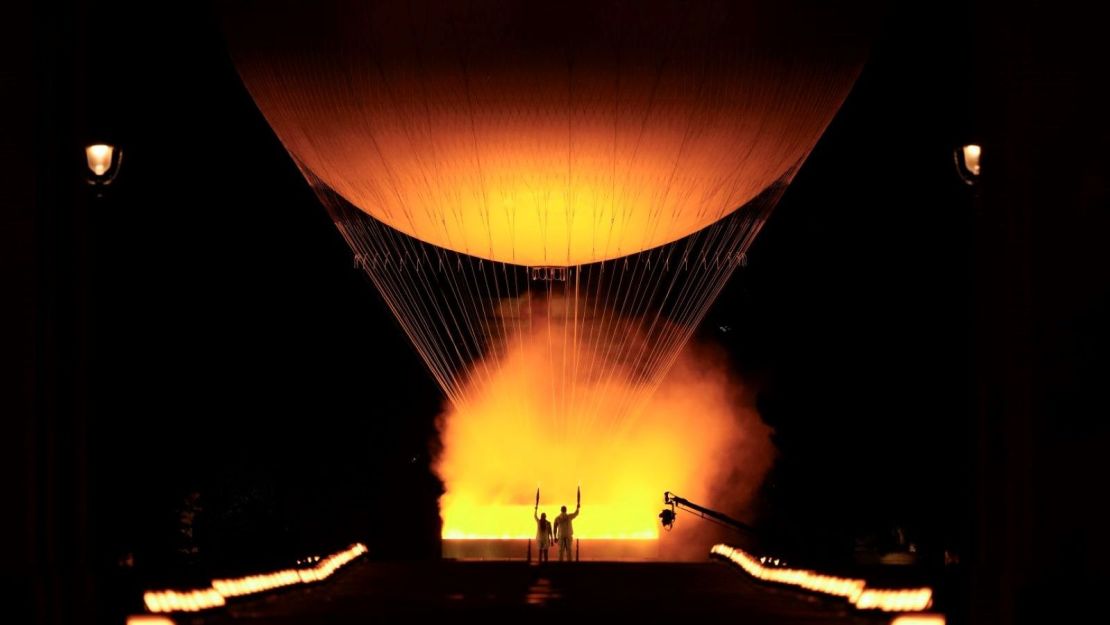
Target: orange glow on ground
{"type": "Point", "coordinates": [611, 521]}
{"type": "Point", "coordinates": [530, 420]}
{"type": "Point", "coordinates": [854, 590]}
{"type": "Point", "coordinates": [220, 590]}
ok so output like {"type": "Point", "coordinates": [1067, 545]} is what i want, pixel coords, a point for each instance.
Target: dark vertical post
{"type": "Point", "coordinates": [19, 450]}
{"type": "Point", "coordinates": [1042, 298]}
{"type": "Point", "coordinates": [59, 581]}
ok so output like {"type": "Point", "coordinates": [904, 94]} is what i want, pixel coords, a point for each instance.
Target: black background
{"type": "Point", "coordinates": [236, 352]}
{"type": "Point", "coordinates": [928, 358]}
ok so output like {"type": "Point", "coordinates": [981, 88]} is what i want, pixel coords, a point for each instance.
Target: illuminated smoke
{"type": "Point", "coordinates": [530, 419]}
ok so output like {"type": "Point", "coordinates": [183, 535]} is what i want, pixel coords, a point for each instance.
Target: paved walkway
{"type": "Point", "coordinates": [514, 592]}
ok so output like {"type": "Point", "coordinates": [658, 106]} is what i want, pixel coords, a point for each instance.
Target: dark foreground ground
{"type": "Point", "coordinates": [515, 592]}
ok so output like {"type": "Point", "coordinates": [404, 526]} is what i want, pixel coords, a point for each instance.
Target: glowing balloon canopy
{"type": "Point", "coordinates": [549, 196]}
{"type": "Point", "coordinates": [541, 133]}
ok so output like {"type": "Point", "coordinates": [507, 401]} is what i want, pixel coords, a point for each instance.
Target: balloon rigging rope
{"type": "Point", "coordinates": [624, 329]}
{"type": "Point", "coordinates": [624, 321]}
{"type": "Point", "coordinates": [618, 338]}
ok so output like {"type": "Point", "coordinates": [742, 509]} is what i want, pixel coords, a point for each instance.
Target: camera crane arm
{"type": "Point", "coordinates": [675, 502]}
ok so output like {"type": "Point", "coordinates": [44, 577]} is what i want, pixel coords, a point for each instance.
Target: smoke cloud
{"type": "Point", "coordinates": [549, 412]}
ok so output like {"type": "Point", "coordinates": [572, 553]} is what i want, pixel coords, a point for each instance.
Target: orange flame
{"type": "Point", "coordinates": [533, 417]}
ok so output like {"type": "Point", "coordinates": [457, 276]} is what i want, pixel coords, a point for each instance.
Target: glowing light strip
{"type": "Point", "coordinates": [854, 590]}
{"type": "Point", "coordinates": [628, 536]}
{"type": "Point", "coordinates": [148, 619]}
{"type": "Point", "coordinates": [182, 601]}
{"type": "Point", "coordinates": [918, 619]}
{"type": "Point", "coordinates": [222, 589]}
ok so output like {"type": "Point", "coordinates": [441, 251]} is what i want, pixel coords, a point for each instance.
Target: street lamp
{"type": "Point", "coordinates": [967, 162]}
{"type": "Point", "coordinates": [104, 162]}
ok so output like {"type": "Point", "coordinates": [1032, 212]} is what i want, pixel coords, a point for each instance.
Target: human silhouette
{"type": "Point", "coordinates": [544, 537]}
{"type": "Point", "coordinates": [564, 530]}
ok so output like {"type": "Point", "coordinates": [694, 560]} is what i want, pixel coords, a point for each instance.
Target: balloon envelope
{"type": "Point", "coordinates": [538, 134]}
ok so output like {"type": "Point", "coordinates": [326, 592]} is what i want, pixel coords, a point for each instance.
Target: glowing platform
{"type": "Point", "coordinates": [595, 550]}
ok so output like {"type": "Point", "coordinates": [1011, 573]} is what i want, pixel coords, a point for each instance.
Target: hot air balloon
{"type": "Point", "coordinates": [583, 174]}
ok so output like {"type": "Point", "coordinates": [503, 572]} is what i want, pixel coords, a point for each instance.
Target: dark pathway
{"type": "Point", "coordinates": [514, 592]}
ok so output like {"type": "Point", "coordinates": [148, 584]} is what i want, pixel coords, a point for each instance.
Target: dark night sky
{"type": "Point", "coordinates": [926, 356]}
{"type": "Point", "coordinates": [237, 351]}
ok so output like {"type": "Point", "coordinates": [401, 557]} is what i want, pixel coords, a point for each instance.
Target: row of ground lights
{"type": "Point", "coordinates": [161, 601]}
{"type": "Point", "coordinates": [854, 590]}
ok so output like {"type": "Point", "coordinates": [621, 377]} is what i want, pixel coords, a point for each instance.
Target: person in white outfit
{"type": "Point", "coordinates": [564, 530]}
